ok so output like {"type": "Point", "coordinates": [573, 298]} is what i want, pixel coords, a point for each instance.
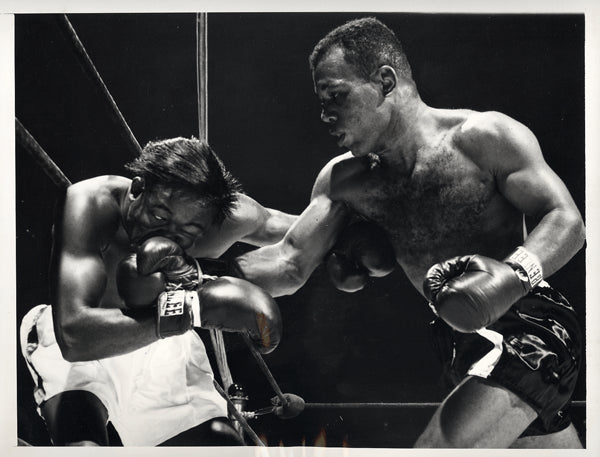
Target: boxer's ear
{"type": "Point", "coordinates": [387, 78]}
{"type": "Point", "coordinates": [138, 185]}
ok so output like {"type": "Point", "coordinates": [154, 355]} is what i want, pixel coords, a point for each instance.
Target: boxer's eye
{"type": "Point", "coordinates": [158, 217]}
{"type": "Point", "coordinates": [194, 229]}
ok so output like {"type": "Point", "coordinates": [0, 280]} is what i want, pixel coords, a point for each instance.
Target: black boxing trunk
{"type": "Point", "coordinates": [534, 350]}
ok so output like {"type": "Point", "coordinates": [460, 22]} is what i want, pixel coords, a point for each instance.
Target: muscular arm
{"type": "Point", "coordinates": [284, 267]}
{"type": "Point", "coordinates": [85, 331]}
{"type": "Point", "coordinates": [527, 182]}
{"type": "Point", "coordinates": [250, 223]}
{"type": "Point", "coordinates": [264, 226]}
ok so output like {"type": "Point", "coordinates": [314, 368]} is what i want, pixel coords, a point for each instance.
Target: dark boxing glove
{"type": "Point", "coordinates": [195, 299]}
{"type": "Point", "coordinates": [472, 292]}
{"type": "Point", "coordinates": [160, 254]}
{"type": "Point", "coordinates": [236, 305]}
{"type": "Point", "coordinates": [135, 289]}
{"type": "Point", "coordinates": [361, 251]}
{"type": "Point", "coordinates": [227, 304]}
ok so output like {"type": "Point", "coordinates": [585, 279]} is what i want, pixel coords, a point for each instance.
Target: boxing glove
{"type": "Point", "coordinates": [472, 292]}
{"type": "Point", "coordinates": [135, 289]}
{"type": "Point", "coordinates": [228, 304]}
{"type": "Point", "coordinates": [160, 254]}
{"type": "Point", "coordinates": [362, 250]}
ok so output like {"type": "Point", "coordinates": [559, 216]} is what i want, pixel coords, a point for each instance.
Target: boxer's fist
{"type": "Point", "coordinates": [362, 250]}
{"type": "Point", "coordinates": [236, 305]}
{"type": "Point", "coordinates": [135, 289]}
{"type": "Point", "coordinates": [472, 292]}
{"type": "Point", "coordinates": [160, 254]}
{"type": "Point", "coordinates": [227, 304]}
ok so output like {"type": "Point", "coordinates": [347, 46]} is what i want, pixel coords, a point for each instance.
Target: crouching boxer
{"type": "Point", "coordinates": [133, 358]}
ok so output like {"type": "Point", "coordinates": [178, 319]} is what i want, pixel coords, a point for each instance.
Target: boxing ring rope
{"type": "Point", "coordinates": [202, 74]}
{"type": "Point", "coordinates": [216, 336]}
{"type": "Point", "coordinates": [40, 156]}
{"type": "Point", "coordinates": [238, 416]}
{"type": "Point", "coordinates": [92, 73]}
{"type": "Point", "coordinates": [265, 369]}
{"type": "Point", "coordinates": [392, 405]}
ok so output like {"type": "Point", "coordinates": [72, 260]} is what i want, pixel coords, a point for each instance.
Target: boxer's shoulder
{"type": "Point", "coordinates": [97, 193]}
{"type": "Point", "coordinates": [99, 186]}
{"type": "Point", "coordinates": [489, 131]}
{"type": "Point", "coordinates": [341, 175]}
{"type": "Point", "coordinates": [92, 206]}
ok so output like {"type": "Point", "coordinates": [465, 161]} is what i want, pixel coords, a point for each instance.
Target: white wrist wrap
{"type": "Point", "coordinates": [529, 263]}
{"type": "Point", "coordinates": [194, 302]}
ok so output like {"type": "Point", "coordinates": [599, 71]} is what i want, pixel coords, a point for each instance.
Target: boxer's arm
{"type": "Point", "coordinates": [85, 331]}
{"type": "Point", "coordinates": [260, 226]}
{"type": "Point", "coordinates": [513, 155]}
{"type": "Point", "coordinates": [249, 222]}
{"type": "Point", "coordinates": [283, 268]}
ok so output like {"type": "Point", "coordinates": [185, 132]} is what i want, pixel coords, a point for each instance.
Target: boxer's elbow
{"type": "Point", "coordinates": [570, 225]}
{"type": "Point", "coordinates": [286, 278]}
{"type": "Point", "coordinates": [574, 233]}
{"type": "Point", "coordinates": [72, 340]}
{"type": "Point", "coordinates": [579, 233]}
{"type": "Point", "coordinates": [293, 276]}
{"type": "Point", "coordinates": [277, 269]}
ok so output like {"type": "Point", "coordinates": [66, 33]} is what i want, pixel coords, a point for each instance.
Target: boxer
{"type": "Point", "coordinates": [449, 189]}
{"type": "Point", "coordinates": [117, 342]}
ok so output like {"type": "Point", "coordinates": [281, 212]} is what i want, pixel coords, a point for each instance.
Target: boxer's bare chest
{"type": "Point", "coordinates": [446, 205]}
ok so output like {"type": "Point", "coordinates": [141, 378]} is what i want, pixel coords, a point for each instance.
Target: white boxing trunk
{"type": "Point", "coordinates": [151, 394]}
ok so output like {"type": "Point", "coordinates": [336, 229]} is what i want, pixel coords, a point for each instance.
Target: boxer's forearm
{"type": "Point", "coordinates": [283, 268]}
{"type": "Point", "coordinates": [96, 333]}
{"type": "Point", "coordinates": [273, 271]}
{"type": "Point", "coordinates": [558, 236]}
{"type": "Point", "coordinates": [276, 226]}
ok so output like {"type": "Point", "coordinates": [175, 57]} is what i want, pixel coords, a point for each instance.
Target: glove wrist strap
{"type": "Point", "coordinates": [527, 266]}
{"type": "Point", "coordinates": [177, 312]}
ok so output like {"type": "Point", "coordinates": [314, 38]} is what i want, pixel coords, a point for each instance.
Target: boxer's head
{"type": "Point", "coordinates": [361, 76]}
{"type": "Point", "coordinates": [179, 189]}
{"type": "Point", "coordinates": [367, 44]}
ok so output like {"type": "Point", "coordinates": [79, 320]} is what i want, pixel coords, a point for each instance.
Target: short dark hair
{"type": "Point", "coordinates": [188, 165]}
{"type": "Point", "coordinates": [367, 44]}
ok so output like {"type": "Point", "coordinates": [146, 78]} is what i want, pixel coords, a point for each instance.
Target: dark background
{"type": "Point", "coordinates": [264, 123]}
